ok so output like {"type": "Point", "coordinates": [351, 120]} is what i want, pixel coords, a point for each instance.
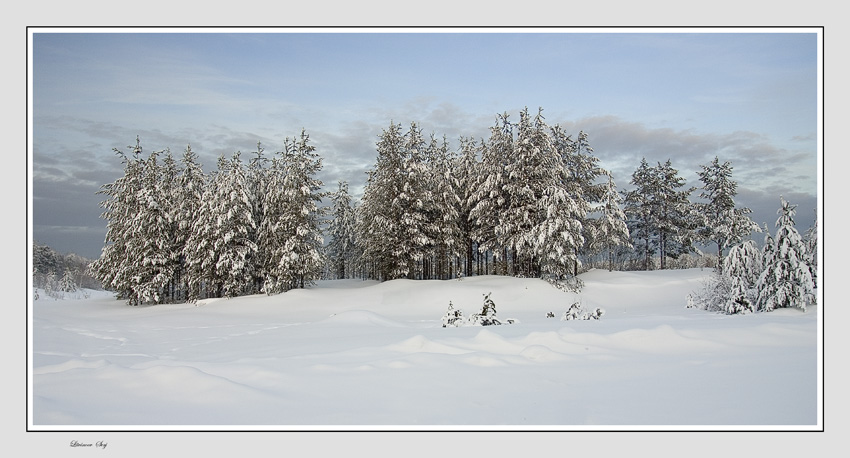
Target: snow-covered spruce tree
{"type": "Point", "coordinates": [533, 183]}
{"type": "Point", "coordinates": [341, 249]}
{"type": "Point", "coordinates": [787, 279]}
{"type": "Point", "coordinates": [445, 230]}
{"type": "Point", "coordinates": [721, 222]}
{"type": "Point", "coordinates": [490, 201]}
{"type": "Point", "coordinates": [639, 208]}
{"type": "Point", "coordinates": [610, 227]}
{"type": "Point", "coordinates": [152, 246]}
{"type": "Point", "coordinates": [415, 203]}
{"type": "Point", "coordinates": [116, 269]}
{"type": "Point", "coordinates": [67, 283]}
{"type": "Point", "coordinates": [188, 192]}
{"type": "Point", "coordinates": [304, 259]}
{"type": "Point", "coordinates": [256, 176]}
{"type": "Point", "coordinates": [290, 236]}
{"type": "Point", "coordinates": [675, 215]}
{"type": "Point", "coordinates": [453, 317]}
{"type": "Point", "coordinates": [584, 173]}
{"type": "Point", "coordinates": [219, 250]}
{"type": "Point", "coordinates": [560, 231]}
{"type": "Point", "coordinates": [379, 233]}
{"type": "Point", "coordinates": [487, 316]}
{"type": "Point", "coordinates": [464, 167]}
{"type": "Point", "coordinates": [812, 248]}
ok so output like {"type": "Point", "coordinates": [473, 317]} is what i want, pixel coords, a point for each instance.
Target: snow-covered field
{"type": "Point", "coordinates": [363, 355]}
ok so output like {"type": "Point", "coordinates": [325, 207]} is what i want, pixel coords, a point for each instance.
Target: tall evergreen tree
{"type": "Point", "coordinates": [380, 231]}
{"type": "Point", "coordinates": [674, 213]}
{"type": "Point", "coordinates": [639, 207]}
{"type": "Point", "coordinates": [444, 229]}
{"type": "Point", "coordinates": [721, 222]}
{"type": "Point", "coordinates": [464, 168]}
{"type": "Point", "coordinates": [490, 201]}
{"type": "Point", "coordinates": [115, 268]}
{"type": "Point", "coordinates": [611, 230]}
{"type": "Point", "coordinates": [152, 242]}
{"type": "Point", "coordinates": [304, 259]}
{"type": "Point", "coordinates": [220, 249]}
{"type": "Point", "coordinates": [189, 190]}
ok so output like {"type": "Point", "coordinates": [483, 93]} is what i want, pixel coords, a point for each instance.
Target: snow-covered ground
{"type": "Point", "coordinates": [363, 355]}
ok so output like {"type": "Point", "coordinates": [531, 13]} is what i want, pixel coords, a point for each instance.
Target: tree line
{"type": "Point", "coordinates": [529, 200]}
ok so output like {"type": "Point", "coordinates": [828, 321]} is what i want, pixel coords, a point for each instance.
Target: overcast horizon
{"type": "Point", "coordinates": [747, 98]}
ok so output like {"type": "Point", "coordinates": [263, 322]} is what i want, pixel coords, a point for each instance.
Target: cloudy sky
{"type": "Point", "coordinates": [749, 97]}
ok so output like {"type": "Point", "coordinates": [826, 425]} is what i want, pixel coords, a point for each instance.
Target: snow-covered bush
{"type": "Point", "coordinates": [577, 312]}
{"type": "Point", "coordinates": [487, 317]}
{"type": "Point", "coordinates": [453, 317]}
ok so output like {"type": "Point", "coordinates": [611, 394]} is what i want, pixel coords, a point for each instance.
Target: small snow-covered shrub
{"type": "Point", "coordinates": [453, 317]}
{"type": "Point", "coordinates": [487, 317]}
{"type": "Point", "coordinates": [577, 312]}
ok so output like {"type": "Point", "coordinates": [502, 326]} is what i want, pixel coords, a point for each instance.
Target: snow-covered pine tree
{"type": "Point", "coordinates": [153, 246]}
{"type": "Point", "coordinates": [639, 208]}
{"type": "Point", "coordinates": [786, 280]}
{"type": "Point", "coordinates": [67, 283]}
{"type": "Point", "coordinates": [674, 213]}
{"type": "Point", "coordinates": [188, 191]}
{"type": "Point", "coordinates": [532, 183]}
{"type": "Point", "coordinates": [490, 201]}
{"type": "Point", "coordinates": [115, 269]}
{"type": "Point", "coordinates": [721, 222]}
{"type": "Point", "coordinates": [444, 230]}
{"type": "Point", "coordinates": [558, 232]}
{"type": "Point", "coordinates": [303, 259]}
{"type": "Point", "coordinates": [341, 249]}
{"type": "Point", "coordinates": [610, 228]}
{"type": "Point", "coordinates": [812, 248]}
{"type": "Point", "coordinates": [415, 203]}
{"type": "Point", "coordinates": [379, 232]}
{"type": "Point", "coordinates": [220, 247]}
{"type": "Point", "coordinates": [464, 167]}
{"type": "Point", "coordinates": [581, 178]}
{"type": "Point", "coordinates": [256, 176]}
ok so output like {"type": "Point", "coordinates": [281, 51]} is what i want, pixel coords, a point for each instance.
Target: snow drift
{"type": "Point", "coordinates": [367, 355]}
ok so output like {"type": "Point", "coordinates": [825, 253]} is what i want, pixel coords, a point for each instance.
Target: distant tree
{"type": "Point", "coordinates": [640, 210]}
{"type": "Point", "coordinates": [721, 222]}
{"type": "Point", "coordinates": [341, 248]}
{"type": "Point", "coordinates": [812, 248]}
{"type": "Point", "coordinates": [67, 284]}
{"type": "Point", "coordinates": [787, 279]}
{"type": "Point", "coordinates": [675, 216]}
